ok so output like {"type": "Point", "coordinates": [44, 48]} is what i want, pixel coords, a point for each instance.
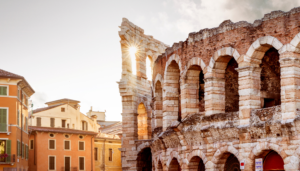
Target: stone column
{"type": "Point", "coordinates": [190, 94]}
{"type": "Point", "coordinates": [249, 91]}
{"type": "Point", "coordinates": [158, 113]}
{"type": "Point", "coordinates": [141, 63]}
{"type": "Point", "coordinates": [290, 84]}
{"type": "Point", "coordinates": [214, 92]}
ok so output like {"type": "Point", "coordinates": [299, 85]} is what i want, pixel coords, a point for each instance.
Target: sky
{"type": "Point", "coordinates": [70, 48]}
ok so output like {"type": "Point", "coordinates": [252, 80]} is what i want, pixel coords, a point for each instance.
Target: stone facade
{"type": "Point", "coordinates": [223, 95]}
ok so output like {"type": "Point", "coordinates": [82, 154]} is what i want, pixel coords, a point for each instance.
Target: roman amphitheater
{"type": "Point", "coordinates": [224, 96]}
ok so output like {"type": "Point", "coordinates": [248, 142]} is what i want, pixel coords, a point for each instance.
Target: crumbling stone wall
{"type": "Point", "coordinates": [223, 116]}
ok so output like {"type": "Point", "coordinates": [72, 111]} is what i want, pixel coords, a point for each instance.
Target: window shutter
{"type": "Point", "coordinates": [22, 126]}
{"type": "Point", "coordinates": [18, 148]}
{"type": "Point", "coordinates": [63, 123]}
{"type": "Point", "coordinates": [110, 155]}
{"type": "Point", "coordinates": [51, 144]}
{"type": "Point", "coordinates": [3, 90]}
{"type": "Point", "coordinates": [52, 122]}
{"type": "Point", "coordinates": [96, 153]}
{"type": "Point", "coordinates": [18, 118]}
{"type": "Point", "coordinates": [67, 163]}
{"type": "Point", "coordinates": [87, 126]}
{"type": "Point", "coordinates": [81, 163]}
{"type": "Point", "coordinates": [26, 124]}
{"type": "Point", "coordinates": [51, 163]}
{"type": "Point", "coordinates": [8, 150]}
{"type": "Point", "coordinates": [38, 121]}
{"type": "Point", "coordinates": [27, 151]}
{"type": "Point", "coordinates": [22, 151]}
{"type": "Point", "coordinates": [3, 120]}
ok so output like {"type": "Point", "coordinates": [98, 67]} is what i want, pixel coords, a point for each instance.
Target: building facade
{"type": "Point", "coordinates": [107, 155]}
{"type": "Point", "coordinates": [14, 94]}
{"type": "Point", "coordinates": [225, 95]}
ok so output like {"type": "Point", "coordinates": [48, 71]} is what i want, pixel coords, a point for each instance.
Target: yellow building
{"type": "Point", "coordinates": [106, 153]}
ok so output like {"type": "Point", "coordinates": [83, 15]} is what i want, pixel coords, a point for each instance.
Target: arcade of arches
{"type": "Point", "coordinates": [222, 96]}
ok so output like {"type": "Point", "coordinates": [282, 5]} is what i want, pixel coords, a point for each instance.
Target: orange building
{"type": "Point", "coordinates": [14, 94]}
{"type": "Point", "coordinates": [61, 149]}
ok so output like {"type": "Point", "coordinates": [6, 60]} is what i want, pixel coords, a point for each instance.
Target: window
{"type": "Point", "coordinates": [67, 145]}
{"type": "Point", "coordinates": [63, 123]}
{"type": "Point", "coordinates": [52, 122]}
{"type": "Point", "coordinates": [23, 150]}
{"type": "Point", "coordinates": [110, 155]}
{"type": "Point", "coordinates": [3, 120]}
{"type": "Point", "coordinates": [81, 145]}
{"type": "Point", "coordinates": [67, 163]}
{"type": "Point", "coordinates": [52, 144]}
{"type": "Point", "coordinates": [68, 126]}
{"type": "Point", "coordinates": [18, 148]}
{"type": "Point", "coordinates": [5, 146]}
{"type": "Point", "coordinates": [67, 136]}
{"type": "Point", "coordinates": [31, 144]}
{"type": "Point", "coordinates": [62, 109]}
{"type": "Point", "coordinates": [26, 124]}
{"type": "Point", "coordinates": [26, 152]}
{"type": "Point", "coordinates": [81, 163]}
{"type": "Point", "coordinates": [38, 121]}
{"type": "Point", "coordinates": [51, 135]}
{"type": "Point", "coordinates": [96, 153]}
{"type": "Point", "coordinates": [18, 118]}
{"type": "Point", "coordinates": [3, 90]}
{"type": "Point", "coordinates": [80, 136]}
{"type": "Point", "coordinates": [84, 126]}
{"type": "Point", "coordinates": [51, 162]}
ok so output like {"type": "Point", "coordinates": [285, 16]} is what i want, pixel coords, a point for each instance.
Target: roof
{"type": "Point", "coordinates": [61, 130]}
{"type": "Point", "coordinates": [65, 99]}
{"type": "Point", "coordinates": [45, 108]}
{"type": "Point", "coordinates": [7, 74]}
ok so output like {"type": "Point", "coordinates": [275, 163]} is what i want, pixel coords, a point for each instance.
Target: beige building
{"type": "Point", "coordinates": [63, 113]}
{"type": "Point", "coordinates": [100, 115]}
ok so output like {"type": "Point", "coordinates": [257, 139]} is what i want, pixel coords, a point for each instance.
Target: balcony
{"type": "Point", "coordinates": [7, 159]}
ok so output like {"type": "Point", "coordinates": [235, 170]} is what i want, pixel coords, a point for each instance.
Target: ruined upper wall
{"type": "Point", "coordinates": [281, 25]}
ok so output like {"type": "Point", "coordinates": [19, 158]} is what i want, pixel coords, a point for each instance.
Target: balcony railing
{"type": "Point", "coordinates": [8, 159]}
{"type": "Point", "coordinates": [69, 169]}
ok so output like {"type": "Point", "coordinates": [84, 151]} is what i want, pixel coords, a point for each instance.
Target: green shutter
{"type": "Point", "coordinates": [3, 120]}
{"type": "Point", "coordinates": [26, 124]}
{"type": "Point", "coordinates": [26, 152]}
{"type": "Point", "coordinates": [8, 150]}
{"type": "Point", "coordinates": [18, 151]}
{"type": "Point", "coordinates": [3, 90]}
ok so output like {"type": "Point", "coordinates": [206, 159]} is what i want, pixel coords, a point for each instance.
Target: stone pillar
{"type": "Point", "coordinates": [249, 91]}
{"type": "Point", "coordinates": [190, 93]}
{"type": "Point", "coordinates": [141, 63]}
{"type": "Point", "coordinates": [158, 113]}
{"type": "Point", "coordinates": [214, 94]}
{"type": "Point", "coordinates": [290, 84]}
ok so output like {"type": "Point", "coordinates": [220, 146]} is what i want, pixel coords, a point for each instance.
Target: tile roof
{"type": "Point", "coordinates": [64, 99]}
{"type": "Point", "coordinates": [45, 108]}
{"type": "Point", "coordinates": [61, 130]}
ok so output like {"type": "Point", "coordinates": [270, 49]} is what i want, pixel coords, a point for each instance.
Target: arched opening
{"type": "Point", "coordinates": [192, 94]}
{"type": "Point", "coordinates": [228, 162]}
{"type": "Point", "coordinates": [158, 105]}
{"type": "Point", "coordinates": [270, 79]}
{"type": "Point", "coordinates": [231, 87]}
{"type": "Point", "coordinates": [273, 161]}
{"type": "Point", "coordinates": [172, 104]}
{"type": "Point", "coordinates": [159, 166]}
{"type": "Point", "coordinates": [174, 165]}
{"type": "Point", "coordinates": [196, 164]}
{"type": "Point", "coordinates": [149, 68]}
{"type": "Point", "coordinates": [144, 160]}
{"type": "Point", "coordinates": [142, 122]}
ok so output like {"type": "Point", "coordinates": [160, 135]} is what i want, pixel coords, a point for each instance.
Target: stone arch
{"type": "Point", "coordinates": [295, 44]}
{"type": "Point", "coordinates": [198, 153]}
{"type": "Point", "coordinates": [158, 104]}
{"type": "Point", "coordinates": [144, 160]}
{"type": "Point", "coordinates": [159, 166]}
{"type": "Point", "coordinates": [192, 94]}
{"type": "Point", "coordinates": [174, 165]}
{"type": "Point", "coordinates": [174, 154]}
{"type": "Point", "coordinates": [158, 78]}
{"type": "Point", "coordinates": [221, 156]}
{"type": "Point", "coordinates": [258, 48]}
{"type": "Point", "coordinates": [221, 75]}
{"type": "Point", "coordinates": [143, 131]}
{"type": "Point", "coordinates": [143, 146]}
{"type": "Point", "coordinates": [171, 92]}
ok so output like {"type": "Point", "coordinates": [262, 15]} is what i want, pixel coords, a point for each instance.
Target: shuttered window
{"type": "Point", "coordinates": [96, 153]}
{"type": "Point", "coordinates": [22, 126]}
{"type": "Point", "coordinates": [67, 163]}
{"type": "Point", "coordinates": [26, 152]}
{"type": "Point", "coordinates": [81, 163]}
{"type": "Point", "coordinates": [67, 145]}
{"type": "Point", "coordinates": [110, 155]}
{"type": "Point", "coordinates": [3, 90]}
{"type": "Point", "coordinates": [63, 123]}
{"type": "Point", "coordinates": [51, 163]}
{"type": "Point", "coordinates": [18, 118]}
{"type": "Point", "coordinates": [38, 121]}
{"type": "Point", "coordinates": [81, 145]}
{"type": "Point", "coordinates": [26, 123]}
{"type": "Point", "coordinates": [3, 120]}
{"type": "Point", "coordinates": [18, 148]}
{"type": "Point", "coordinates": [82, 125]}
{"type": "Point", "coordinates": [23, 150]}
{"type": "Point", "coordinates": [52, 144]}
{"type": "Point", "coordinates": [8, 150]}
{"type": "Point", "coordinates": [52, 121]}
